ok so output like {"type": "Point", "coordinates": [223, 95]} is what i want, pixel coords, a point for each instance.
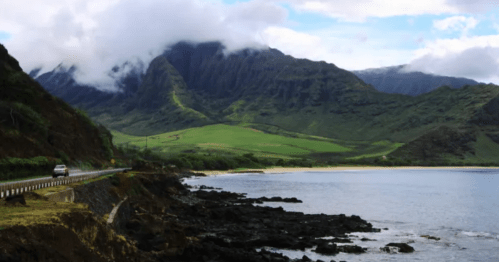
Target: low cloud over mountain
{"type": "Point", "coordinates": [96, 36]}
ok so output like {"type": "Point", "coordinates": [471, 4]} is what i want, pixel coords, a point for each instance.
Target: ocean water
{"type": "Point", "coordinates": [459, 206]}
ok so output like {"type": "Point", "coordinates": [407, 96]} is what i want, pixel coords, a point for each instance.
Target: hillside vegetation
{"type": "Point", "coordinates": [230, 139]}
{"type": "Point", "coordinates": [37, 130]}
{"type": "Point", "coordinates": [193, 85]}
{"type": "Point", "coordinates": [242, 140]}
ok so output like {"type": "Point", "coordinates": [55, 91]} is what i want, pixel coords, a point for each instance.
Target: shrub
{"type": "Point", "coordinates": [107, 147]}
{"type": "Point", "coordinates": [64, 158]}
{"type": "Point", "coordinates": [84, 116]}
{"type": "Point", "coordinates": [15, 168]}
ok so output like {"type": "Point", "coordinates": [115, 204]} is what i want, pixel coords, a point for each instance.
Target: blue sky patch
{"type": "Point", "coordinates": [4, 36]}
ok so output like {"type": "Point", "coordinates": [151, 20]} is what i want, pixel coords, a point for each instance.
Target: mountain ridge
{"type": "Point", "coordinates": [396, 80]}
{"type": "Point", "coordinates": [200, 84]}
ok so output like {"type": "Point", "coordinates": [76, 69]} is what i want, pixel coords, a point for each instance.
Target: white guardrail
{"type": "Point", "coordinates": [16, 188]}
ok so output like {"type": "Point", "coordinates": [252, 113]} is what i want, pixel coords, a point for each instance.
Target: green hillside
{"type": "Point", "coordinates": [38, 130]}
{"type": "Point", "coordinates": [237, 140]}
{"type": "Point", "coordinates": [193, 86]}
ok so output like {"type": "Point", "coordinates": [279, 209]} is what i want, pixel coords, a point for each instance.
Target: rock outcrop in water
{"type": "Point", "coordinates": [400, 247]}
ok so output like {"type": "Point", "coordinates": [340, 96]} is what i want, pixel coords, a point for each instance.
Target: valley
{"type": "Point", "coordinates": [241, 139]}
{"type": "Point", "coordinates": [196, 85]}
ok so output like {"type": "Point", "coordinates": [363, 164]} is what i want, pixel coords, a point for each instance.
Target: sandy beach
{"type": "Point", "coordinates": [328, 169]}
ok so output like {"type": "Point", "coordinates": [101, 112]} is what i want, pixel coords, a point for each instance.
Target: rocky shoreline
{"type": "Point", "coordinates": [234, 228]}
{"type": "Point", "coordinates": [226, 226]}
{"type": "Point", "coordinates": [167, 221]}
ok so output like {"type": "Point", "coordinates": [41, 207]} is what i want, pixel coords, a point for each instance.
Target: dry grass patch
{"type": "Point", "coordinates": [36, 211]}
{"type": "Point", "coordinates": [39, 210]}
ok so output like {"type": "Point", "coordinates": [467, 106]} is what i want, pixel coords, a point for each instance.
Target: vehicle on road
{"type": "Point", "coordinates": [60, 170]}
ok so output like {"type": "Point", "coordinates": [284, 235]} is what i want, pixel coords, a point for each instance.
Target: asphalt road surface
{"type": "Point", "coordinates": [72, 172]}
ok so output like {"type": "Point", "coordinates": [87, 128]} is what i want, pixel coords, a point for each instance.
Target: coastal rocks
{"type": "Point", "coordinates": [431, 237]}
{"type": "Point", "coordinates": [341, 240]}
{"type": "Point", "coordinates": [326, 249]}
{"type": "Point", "coordinates": [367, 239]}
{"type": "Point", "coordinates": [182, 225]}
{"type": "Point", "coordinates": [230, 221]}
{"type": "Point", "coordinates": [217, 196]}
{"type": "Point", "coordinates": [203, 187]}
{"type": "Point", "coordinates": [209, 251]}
{"type": "Point", "coordinates": [280, 199]}
{"type": "Point", "coordinates": [261, 200]}
{"type": "Point", "coordinates": [351, 249]}
{"type": "Point", "coordinates": [332, 249]}
{"type": "Point", "coordinates": [397, 247]}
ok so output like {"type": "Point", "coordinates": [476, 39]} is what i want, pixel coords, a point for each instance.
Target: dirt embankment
{"type": "Point", "coordinates": [74, 233]}
{"type": "Point", "coordinates": [167, 222]}
{"type": "Point", "coordinates": [66, 232]}
{"type": "Point", "coordinates": [79, 236]}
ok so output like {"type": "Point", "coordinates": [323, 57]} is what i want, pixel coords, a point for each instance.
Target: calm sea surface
{"type": "Point", "coordinates": [460, 206]}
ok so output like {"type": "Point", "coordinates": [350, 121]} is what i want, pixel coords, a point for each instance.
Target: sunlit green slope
{"type": "Point", "coordinates": [227, 139]}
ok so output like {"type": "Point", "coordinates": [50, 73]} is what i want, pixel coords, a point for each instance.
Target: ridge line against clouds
{"type": "Point", "coordinates": [447, 37]}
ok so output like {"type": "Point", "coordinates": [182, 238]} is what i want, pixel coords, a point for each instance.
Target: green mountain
{"type": "Point", "coordinates": [395, 80]}
{"type": "Point", "coordinates": [161, 102]}
{"type": "Point", "coordinates": [194, 85]}
{"type": "Point", "coordinates": [33, 123]}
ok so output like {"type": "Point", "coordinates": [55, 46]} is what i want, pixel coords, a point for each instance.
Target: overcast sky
{"type": "Point", "coordinates": [447, 37]}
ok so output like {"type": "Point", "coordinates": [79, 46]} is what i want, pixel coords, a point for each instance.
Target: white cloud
{"type": "Point", "coordinates": [472, 57]}
{"type": "Point", "coordinates": [473, 6]}
{"type": "Point", "coordinates": [476, 63]}
{"type": "Point", "coordinates": [97, 35]}
{"type": "Point", "coordinates": [456, 23]}
{"type": "Point", "coordinates": [359, 10]}
{"type": "Point", "coordinates": [299, 45]}
{"type": "Point", "coordinates": [443, 47]}
{"type": "Point", "coordinates": [351, 50]}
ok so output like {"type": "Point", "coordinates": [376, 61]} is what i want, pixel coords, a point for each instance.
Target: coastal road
{"type": "Point", "coordinates": [72, 172]}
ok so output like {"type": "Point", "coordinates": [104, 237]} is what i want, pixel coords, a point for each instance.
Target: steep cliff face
{"type": "Point", "coordinates": [395, 80]}
{"type": "Point", "coordinates": [197, 84]}
{"type": "Point", "coordinates": [35, 123]}
{"type": "Point", "coordinates": [251, 74]}
{"type": "Point", "coordinates": [192, 85]}
{"type": "Point", "coordinates": [161, 103]}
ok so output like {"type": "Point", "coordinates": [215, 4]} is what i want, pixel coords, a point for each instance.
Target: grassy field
{"type": "Point", "coordinates": [230, 139]}
{"type": "Point", "coordinates": [241, 139]}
